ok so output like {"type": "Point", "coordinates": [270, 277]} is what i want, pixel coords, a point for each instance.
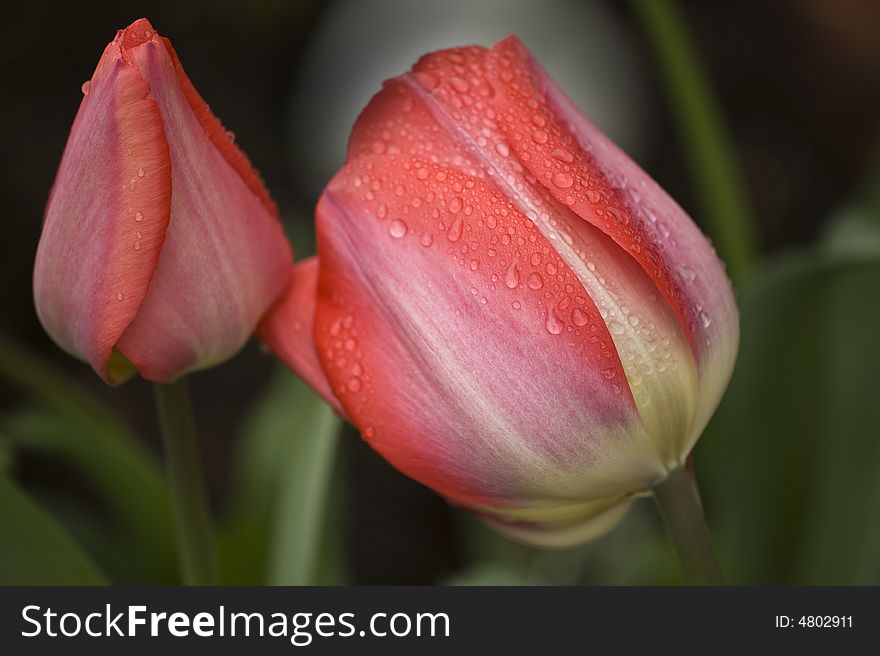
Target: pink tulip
{"type": "Point", "coordinates": [506, 306]}
{"type": "Point", "coordinates": [161, 247]}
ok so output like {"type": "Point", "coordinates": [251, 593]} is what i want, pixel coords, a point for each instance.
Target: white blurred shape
{"type": "Point", "coordinates": [359, 43]}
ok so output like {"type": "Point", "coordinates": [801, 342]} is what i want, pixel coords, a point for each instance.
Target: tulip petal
{"type": "Point", "coordinates": [584, 169]}
{"type": "Point", "coordinates": [225, 260]}
{"type": "Point", "coordinates": [106, 220]}
{"type": "Point", "coordinates": [435, 114]}
{"type": "Point", "coordinates": [287, 329]}
{"type": "Point", "coordinates": [584, 522]}
{"type": "Point", "coordinates": [460, 358]}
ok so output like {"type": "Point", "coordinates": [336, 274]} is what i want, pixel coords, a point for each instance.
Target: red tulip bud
{"type": "Point", "coordinates": [508, 308]}
{"type": "Point", "coordinates": [161, 248]}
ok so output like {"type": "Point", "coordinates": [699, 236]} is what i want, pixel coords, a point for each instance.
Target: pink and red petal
{"type": "Point", "coordinates": [225, 260]}
{"type": "Point", "coordinates": [106, 219]}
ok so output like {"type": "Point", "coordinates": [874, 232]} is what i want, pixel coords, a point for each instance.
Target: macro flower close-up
{"type": "Point", "coordinates": [161, 247]}
{"type": "Point", "coordinates": [506, 306]}
{"type": "Point", "coordinates": [584, 295]}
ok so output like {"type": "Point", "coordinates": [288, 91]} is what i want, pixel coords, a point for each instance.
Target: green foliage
{"type": "Point", "coordinates": [34, 550]}
{"type": "Point", "coordinates": [79, 429]}
{"type": "Point", "coordinates": [277, 531]}
{"type": "Point", "coordinates": [789, 464]}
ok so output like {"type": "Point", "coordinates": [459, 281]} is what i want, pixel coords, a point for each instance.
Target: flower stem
{"type": "Point", "coordinates": [722, 195]}
{"type": "Point", "coordinates": [679, 502]}
{"type": "Point", "coordinates": [195, 544]}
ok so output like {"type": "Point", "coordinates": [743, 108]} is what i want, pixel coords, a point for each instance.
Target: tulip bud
{"type": "Point", "coordinates": [161, 248]}
{"type": "Point", "coordinates": [508, 308]}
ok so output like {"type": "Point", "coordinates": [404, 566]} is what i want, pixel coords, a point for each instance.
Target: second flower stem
{"type": "Point", "coordinates": [195, 541]}
{"type": "Point", "coordinates": [679, 502]}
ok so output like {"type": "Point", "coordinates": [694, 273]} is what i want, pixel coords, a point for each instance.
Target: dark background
{"type": "Point", "coordinates": [798, 84]}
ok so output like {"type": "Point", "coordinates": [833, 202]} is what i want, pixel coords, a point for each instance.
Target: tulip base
{"type": "Point", "coordinates": [679, 502]}
{"type": "Point", "coordinates": [195, 543]}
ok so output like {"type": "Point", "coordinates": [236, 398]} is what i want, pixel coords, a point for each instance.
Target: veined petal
{"type": "Point", "coordinates": [462, 358]}
{"type": "Point", "coordinates": [225, 260]}
{"type": "Point", "coordinates": [460, 118]}
{"type": "Point", "coordinates": [585, 170]}
{"type": "Point", "coordinates": [106, 220]}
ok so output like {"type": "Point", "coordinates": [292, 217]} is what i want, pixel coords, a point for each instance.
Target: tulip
{"type": "Point", "coordinates": [161, 248]}
{"type": "Point", "coordinates": [507, 307]}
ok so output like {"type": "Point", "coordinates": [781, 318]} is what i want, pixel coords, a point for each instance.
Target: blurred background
{"type": "Point", "coordinates": [789, 468]}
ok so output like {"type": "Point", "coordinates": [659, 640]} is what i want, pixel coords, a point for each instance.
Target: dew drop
{"type": "Point", "coordinates": [535, 259]}
{"type": "Point", "coordinates": [579, 317]}
{"type": "Point", "coordinates": [140, 172]}
{"type": "Point", "coordinates": [516, 305]}
{"type": "Point", "coordinates": [137, 245]}
{"type": "Point", "coordinates": [459, 84]}
{"type": "Point", "coordinates": [85, 87]}
{"type": "Point", "coordinates": [608, 373]}
{"type": "Point", "coordinates": [511, 276]}
{"type": "Point", "coordinates": [119, 296]}
{"type": "Point", "coordinates": [455, 205]}
{"type": "Point", "coordinates": [426, 240]}
{"type": "Point", "coordinates": [354, 385]}
{"type": "Point", "coordinates": [705, 319]}
{"type": "Point", "coordinates": [688, 274]}
{"type": "Point", "coordinates": [553, 325]}
{"type": "Point", "coordinates": [138, 216]}
{"type": "Point", "coordinates": [382, 212]}
{"type": "Point", "coordinates": [397, 228]}
{"type": "Point", "coordinates": [369, 431]}
{"type": "Point", "coordinates": [535, 281]}
{"type": "Point", "coordinates": [562, 154]}
{"type": "Point", "coordinates": [563, 180]}
{"type": "Point", "coordinates": [502, 149]}
{"type": "Point", "coordinates": [593, 195]}
{"type": "Point", "coordinates": [455, 229]}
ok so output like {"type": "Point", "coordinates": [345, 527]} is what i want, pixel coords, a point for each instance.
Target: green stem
{"type": "Point", "coordinates": [195, 543]}
{"type": "Point", "coordinates": [679, 502]}
{"type": "Point", "coordinates": [721, 194]}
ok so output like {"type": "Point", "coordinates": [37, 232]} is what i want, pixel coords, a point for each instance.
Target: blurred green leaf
{"type": "Point", "coordinates": [790, 465]}
{"type": "Point", "coordinates": [125, 479]}
{"type": "Point", "coordinates": [34, 550]}
{"type": "Point", "coordinates": [281, 511]}
{"type": "Point", "coordinates": [86, 433]}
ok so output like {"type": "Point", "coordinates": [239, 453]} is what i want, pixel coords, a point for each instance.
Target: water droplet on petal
{"type": "Point", "coordinates": [540, 137]}
{"type": "Point", "coordinates": [85, 87]}
{"type": "Point", "coordinates": [140, 172]}
{"type": "Point", "coordinates": [535, 281]}
{"type": "Point", "coordinates": [579, 317]}
{"type": "Point", "coordinates": [426, 240]}
{"type": "Point", "coordinates": [455, 229]}
{"type": "Point", "coordinates": [138, 216]}
{"type": "Point", "coordinates": [511, 277]}
{"type": "Point", "coordinates": [397, 228]}
{"type": "Point", "coordinates": [563, 180]}
{"type": "Point", "coordinates": [553, 325]}
{"type": "Point", "coordinates": [119, 296]}
{"type": "Point", "coordinates": [608, 373]}
{"type": "Point", "coordinates": [688, 274]}
{"type": "Point", "coordinates": [354, 385]}
{"type": "Point", "coordinates": [455, 205]}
